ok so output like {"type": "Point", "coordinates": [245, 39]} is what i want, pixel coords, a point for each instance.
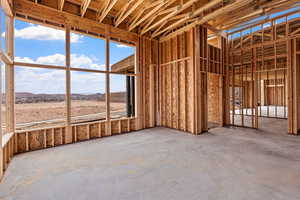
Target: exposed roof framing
{"type": "Point", "coordinates": [7, 8]}
{"type": "Point", "coordinates": [126, 11]}
{"type": "Point", "coordinates": [160, 18]}
{"type": "Point", "coordinates": [85, 4]}
{"type": "Point", "coordinates": [109, 4]}
{"type": "Point", "coordinates": [60, 4]}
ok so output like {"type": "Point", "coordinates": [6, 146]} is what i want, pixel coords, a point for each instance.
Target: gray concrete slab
{"type": "Point", "coordinates": [161, 163]}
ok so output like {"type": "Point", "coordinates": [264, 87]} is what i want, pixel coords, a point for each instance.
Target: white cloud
{"type": "Point", "coordinates": [122, 46]}
{"type": "Point", "coordinates": [39, 80]}
{"type": "Point", "coordinates": [78, 61]}
{"type": "Point", "coordinates": [39, 32]}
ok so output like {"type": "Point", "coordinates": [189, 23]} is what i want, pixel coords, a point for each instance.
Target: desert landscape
{"type": "Point", "coordinates": [43, 110]}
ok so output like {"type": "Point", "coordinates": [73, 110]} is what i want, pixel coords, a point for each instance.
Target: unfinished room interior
{"type": "Point", "coordinates": [150, 99]}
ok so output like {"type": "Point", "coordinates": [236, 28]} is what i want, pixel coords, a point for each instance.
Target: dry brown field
{"type": "Point", "coordinates": [54, 113]}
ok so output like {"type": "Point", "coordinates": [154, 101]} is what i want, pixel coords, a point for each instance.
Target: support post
{"type": "Point", "coordinates": [68, 137]}
{"type": "Point", "coordinates": [107, 85]}
{"type": "Point", "coordinates": [1, 134]}
{"type": "Point", "coordinates": [128, 96]}
{"type": "Point", "coordinates": [293, 88]}
{"type": "Point", "coordinates": [9, 68]}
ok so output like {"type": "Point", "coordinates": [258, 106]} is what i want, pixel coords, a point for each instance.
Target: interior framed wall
{"type": "Point", "coordinates": [186, 61]}
{"type": "Point", "coordinates": [262, 72]}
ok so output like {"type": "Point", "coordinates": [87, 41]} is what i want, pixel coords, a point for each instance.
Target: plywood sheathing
{"type": "Point", "coordinates": [185, 61]}
{"type": "Point", "coordinates": [147, 85]}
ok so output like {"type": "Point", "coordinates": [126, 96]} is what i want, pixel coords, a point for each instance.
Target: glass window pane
{"type": "Point", "coordinates": [88, 97]}
{"type": "Point", "coordinates": [88, 52]}
{"type": "Point", "coordinates": [40, 98]}
{"type": "Point", "coordinates": [121, 58]}
{"type": "Point", "coordinates": [122, 96]}
{"type": "Point", "coordinates": [39, 44]}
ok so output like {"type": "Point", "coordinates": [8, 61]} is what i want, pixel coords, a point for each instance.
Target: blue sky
{"type": "Point", "coordinates": [40, 44]}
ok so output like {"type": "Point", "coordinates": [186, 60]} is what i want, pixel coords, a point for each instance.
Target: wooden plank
{"type": "Point", "coordinates": [1, 131]}
{"type": "Point", "coordinates": [38, 11]}
{"type": "Point", "coordinates": [107, 85]}
{"type": "Point", "coordinates": [7, 7]}
{"type": "Point", "coordinates": [68, 137]}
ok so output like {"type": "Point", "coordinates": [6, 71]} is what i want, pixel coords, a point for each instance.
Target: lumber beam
{"type": "Point", "coordinates": [9, 77]}
{"type": "Point", "coordinates": [38, 11]}
{"type": "Point", "coordinates": [85, 4]}
{"type": "Point", "coordinates": [61, 4]}
{"type": "Point", "coordinates": [68, 136]}
{"type": "Point", "coordinates": [226, 9]}
{"type": "Point", "coordinates": [187, 16]}
{"type": "Point", "coordinates": [177, 9]}
{"type": "Point", "coordinates": [107, 83]}
{"type": "Point", "coordinates": [138, 20]}
{"type": "Point", "coordinates": [5, 58]}
{"type": "Point", "coordinates": [106, 9]}
{"type": "Point", "coordinates": [7, 7]}
{"type": "Point", "coordinates": [125, 12]}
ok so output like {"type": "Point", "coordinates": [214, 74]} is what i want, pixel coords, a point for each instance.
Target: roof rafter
{"type": "Point", "coordinates": [108, 6]}
{"type": "Point", "coordinates": [137, 21]}
{"type": "Point", "coordinates": [226, 9]}
{"type": "Point", "coordinates": [61, 4]}
{"type": "Point", "coordinates": [188, 16]}
{"type": "Point", "coordinates": [7, 7]}
{"type": "Point", "coordinates": [123, 15]}
{"type": "Point", "coordinates": [85, 4]}
{"type": "Point", "coordinates": [177, 9]}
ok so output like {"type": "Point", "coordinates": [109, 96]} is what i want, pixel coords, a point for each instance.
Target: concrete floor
{"type": "Point", "coordinates": [161, 163]}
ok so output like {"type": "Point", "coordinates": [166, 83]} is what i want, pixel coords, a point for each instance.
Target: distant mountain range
{"type": "Point", "coordinates": [26, 97]}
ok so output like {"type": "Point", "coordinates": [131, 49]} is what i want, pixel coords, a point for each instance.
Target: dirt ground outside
{"type": "Point", "coordinates": [54, 113]}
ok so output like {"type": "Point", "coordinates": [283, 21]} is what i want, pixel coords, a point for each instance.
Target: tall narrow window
{"type": "Point", "coordinates": [88, 97]}
{"type": "Point", "coordinates": [122, 80]}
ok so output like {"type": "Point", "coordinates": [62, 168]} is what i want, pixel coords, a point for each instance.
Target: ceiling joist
{"type": "Point", "coordinates": [160, 18]}
{"type": "Point", "coordinates": [85, 4]}
{"type": "Point", "coordinates": [123, 15]}
{"type": "Point", "coordinates": [109, 5]}
{"type": "Point", "coordinates": [61, 4]}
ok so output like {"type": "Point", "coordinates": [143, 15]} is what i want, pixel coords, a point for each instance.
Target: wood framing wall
{"type": "Point", "coordinates": [185, 61]}
{"type": "Point", "coordinates": [147, 78]}
{"type": "Point", "coordinates": [264, 71]}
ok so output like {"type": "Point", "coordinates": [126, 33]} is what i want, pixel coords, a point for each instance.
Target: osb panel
{"type": "Point", "coordinates": [169, 95]}
{"type": "Point", "coordinates": [115, 127]}
{"type": "Point", "coordinates": [21, 142]}
{"type": "Point", "coordinates": [124, 126]}
{"type": "Point", "coordinates": [132, 125]}
{"type": "Point", "coordinates": [36, 140]}
{"type": "Point", "coordinates": [94, 130]}
{"type": "Point", "coordinates": [103, 130]}
{"type": "Point", "coordinates": [82, 132]}
{"type": "Point", "coordinates": [190, 96]}
{"type": "Point", "coordinates": [146, 88]}
{"type": "Point", "coordinates": [174, 95]}
{"type": "Point", "coordinates": [49, 137]}
{"type": "Point", "coordinates": [182, 95]}
{"type": "Point", "coordinates": [214, 91]}
{"type": "Point", "coordinates": [58, 140]}
{"type": "Point", "coordinates": [74, 138]}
